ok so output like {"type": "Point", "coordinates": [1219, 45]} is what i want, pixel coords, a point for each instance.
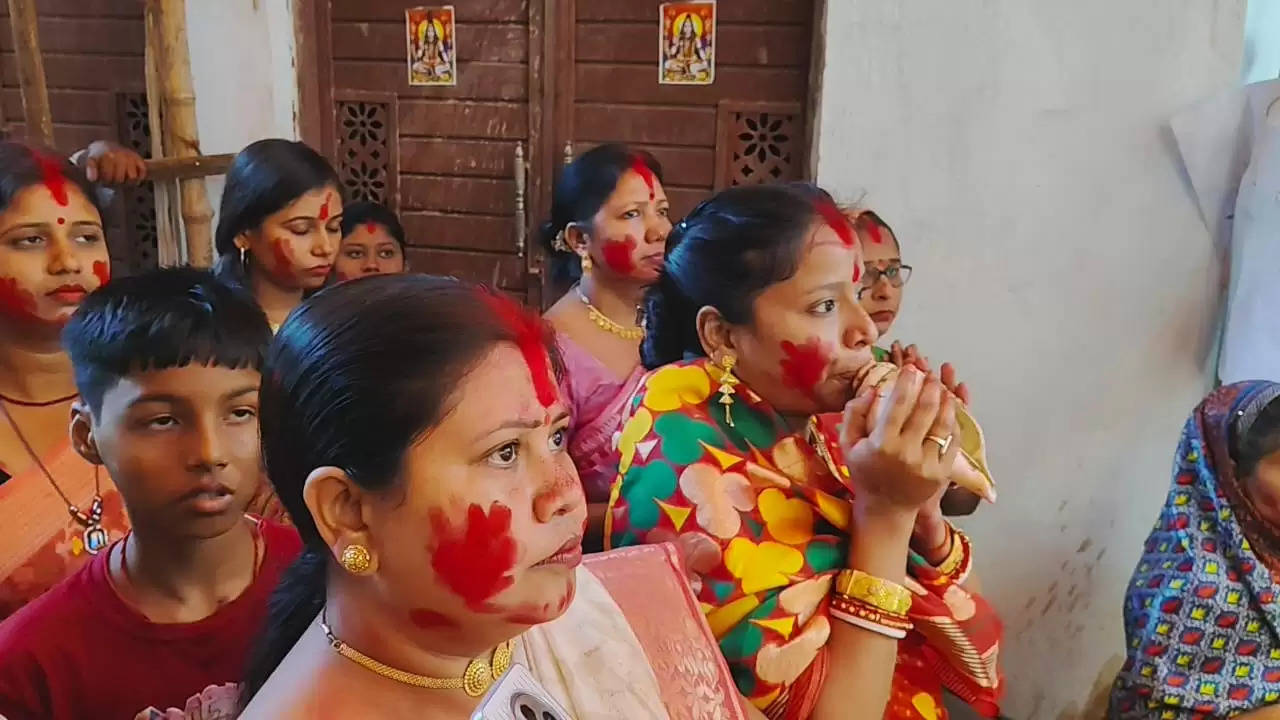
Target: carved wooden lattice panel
{"type": "Point", "coordinates": [366, 153]}
{"type": "Point", "coordinates": [134, 126]}
{"type": "Point", "coordinates": [758, 143]}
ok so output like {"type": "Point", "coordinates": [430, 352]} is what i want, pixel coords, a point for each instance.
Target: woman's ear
{"type": "Point", "coordinates": [714, 332]}
{"type": "Point", "coordinates": [576, 237]}
{"type": "Point", "coordinates": [82, 433]}
{"type": "Point", "coordinates": [337, 507]}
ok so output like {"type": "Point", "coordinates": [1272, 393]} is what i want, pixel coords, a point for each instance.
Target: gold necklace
{"type": "Point", "coordinates": [479, 676]}
{"type": "Point", "coordinates": [604, 322]}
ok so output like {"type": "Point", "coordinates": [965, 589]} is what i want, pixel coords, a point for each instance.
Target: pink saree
{"type": "Point", "coordinates": [597, 399]}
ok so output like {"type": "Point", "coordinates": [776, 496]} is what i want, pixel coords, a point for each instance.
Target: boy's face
{"type": "Point", "coordinates": [182, 446]}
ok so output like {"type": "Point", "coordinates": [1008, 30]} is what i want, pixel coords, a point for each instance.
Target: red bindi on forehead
{"type": "Point", "coordinates": [324, 208]}
{"type": "Point", "coordinates": [530, 336]}
{"type": "Point", "coordinates": [641, 168]}
{"type": "Point", "coordinates": [53, 179]}
{"type": "Point", "coordinates": [371, 227]}
{"type": "Point", "coordinates": [836, 220]}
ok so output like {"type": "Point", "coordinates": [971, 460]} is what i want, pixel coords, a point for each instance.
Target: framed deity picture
{"type": "Point", "coordinates": [687, 43]}
{"type": "Point", "coordinates": [430, 36]}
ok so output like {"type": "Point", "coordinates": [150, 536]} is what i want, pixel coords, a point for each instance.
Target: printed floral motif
{"type": "Point", "coordinates": [789, 520]}
{"type": "Point", "coordinates": [673, 387]}
{"type": "Point", "coordinates": [720, 498]}
{"type": "Point", "coordinates": [635, 430]}
{"type": "Point", "coordinates": [762, 566]}
{"type": "Point", "coordinates": [761, 519]}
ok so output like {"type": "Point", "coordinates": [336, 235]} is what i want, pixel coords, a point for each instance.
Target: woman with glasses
{"type": "Point", "coordinates": [883, 278]}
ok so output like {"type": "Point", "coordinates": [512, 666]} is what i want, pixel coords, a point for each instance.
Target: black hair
{"type": "Point", "coordinates": [359, 213]}
{"type": "Point", "coordinates": [23, 165]}
{"type": "Point", "coordinates": [171, 317]}
{"type": "Point", "coordinates": [341, 390]}
{"type": "Point", "coordinates": [723, 255]}
{"type": "Point", "coordinates": [583, 186]}
{"type": "Point", "coordinates": [869, 218]}
{"type": "Point", "coordinates": [263, 178]}
{"type": "Point", "coordinates": [1260, 439]}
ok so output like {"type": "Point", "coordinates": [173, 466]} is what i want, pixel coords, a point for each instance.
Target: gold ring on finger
{"type": "Point", "coordinates": [944, 444]}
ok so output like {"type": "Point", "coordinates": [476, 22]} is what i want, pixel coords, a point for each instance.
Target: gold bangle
{"type": "Point", "coordinates": [859, 609]}
{"type": "Point", "coordinates": [877, 592]}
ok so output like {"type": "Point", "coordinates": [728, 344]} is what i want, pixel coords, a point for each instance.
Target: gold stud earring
{"type": "Point", "coordinates": [356, 559]}
{"type": "Point", "coordinates": [586, 264]}
{"type": "Point", "coordinates": [727, 383]}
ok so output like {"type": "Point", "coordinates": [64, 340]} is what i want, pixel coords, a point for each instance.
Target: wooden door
{"type": "Point", "coordinates": [748, 126]}
{"type": "Point", "coordinates": [445, 158]}
{"type": "Point", "coordinates": [550, 78]}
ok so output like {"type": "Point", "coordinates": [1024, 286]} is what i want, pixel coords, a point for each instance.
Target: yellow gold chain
{"type": "Point", "coordinates": [479, 676]}
{"type": "Point", "coordinates": [604, 322]}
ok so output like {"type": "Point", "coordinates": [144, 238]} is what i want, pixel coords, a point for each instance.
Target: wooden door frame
{"type": "Point", "coordinates": [314, 66]}
{"type": "Point", "coordinates": [813, 101]}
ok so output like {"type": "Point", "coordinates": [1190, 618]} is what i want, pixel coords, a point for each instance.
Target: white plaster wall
{"type": "Point", "coordinates": [1262, 41]}
{"type": "Point", "coordinates": [242, 64]}
{"type": "Point", "coordinates": [1020, 148]}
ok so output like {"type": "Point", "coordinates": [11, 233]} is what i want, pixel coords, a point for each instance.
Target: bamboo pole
{"type": "Point", "coordinates": [35, 91]}
{"type": "Point", "coordinates": [170, 246]}
{"type": "Point", "coordinates": [181, 139]}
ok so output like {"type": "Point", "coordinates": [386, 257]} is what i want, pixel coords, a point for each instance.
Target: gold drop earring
{"type": "Point", "coordinates": [727, 384]}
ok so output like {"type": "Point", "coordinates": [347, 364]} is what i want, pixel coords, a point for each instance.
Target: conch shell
{"type": "Point", "coordinates": [970, 471]}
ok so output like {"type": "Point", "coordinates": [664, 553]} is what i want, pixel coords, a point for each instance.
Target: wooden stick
{"type": "Point", "coordinates": [178, 168]}
{"type": "Point", "coordinates": [35, 91]}
{"type": "Point", "coordinates": [181, 138]}
{"type": "Point", "coordinates": [169, 243]}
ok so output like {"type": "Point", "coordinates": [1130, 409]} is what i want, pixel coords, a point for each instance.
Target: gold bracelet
{"type": "Point", "coordinates": [883, 594]}
{"type": "Point", "coordinates": [857, 608]}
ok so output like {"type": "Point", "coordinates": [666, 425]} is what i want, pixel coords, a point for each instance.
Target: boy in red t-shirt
{"type": "Point", "coordinates": [167, 365]}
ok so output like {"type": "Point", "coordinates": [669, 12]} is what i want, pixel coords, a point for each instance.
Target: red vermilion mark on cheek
{"type": "Point", "coordinates": [857, 273]}
{"type": "Point", "coordinates": [804, 365]}
{"type": "Point", "coordinates": [324, 209]}
{"type": "Point", "coordinates": [430, 619]}
{"type": "Point", "coordinates": [16, 302]}
{"type": "Point", "coordinates": [617, 255]}
{"type": "Point", "coordinates": [531, 337]}
{"type": "Point", "coordinates": [52, 177]}
{"type": "Point", "coordinates": [281, 260]}
{"type": "Point", "coordinates": [102, 270]}
{"type": "Point", "coordinates": [836, 220]}
{"type": "Point", "coordinates": [371, 227]}
{"type": "Point", "coordinates": [474, 560]}
{"type": "Point", "coordinates": [640, 168]}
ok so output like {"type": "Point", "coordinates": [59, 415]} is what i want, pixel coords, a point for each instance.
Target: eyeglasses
{"type": "Point", "coordinates": [896, 273]}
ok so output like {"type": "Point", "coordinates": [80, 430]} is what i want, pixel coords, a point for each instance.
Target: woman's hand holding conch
{"type": "Point", "coordinates": [883, 438]}
{"type": "Point", "coordinates": [969, 466]}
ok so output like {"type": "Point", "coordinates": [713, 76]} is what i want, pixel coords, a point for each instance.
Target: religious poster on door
{"type": "Point", "coordinates": [687, 44]}
{"type": "Point", "coordinates": [432, 58]}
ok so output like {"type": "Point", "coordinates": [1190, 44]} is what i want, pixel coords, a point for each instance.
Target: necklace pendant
{"type": "Point", "coordinates": [95, 538]}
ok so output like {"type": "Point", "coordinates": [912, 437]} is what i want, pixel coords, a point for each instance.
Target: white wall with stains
{"type": "Point", "coordinates": [242, 66]}
{"type": "Point", "coordinates": [1021, 150]}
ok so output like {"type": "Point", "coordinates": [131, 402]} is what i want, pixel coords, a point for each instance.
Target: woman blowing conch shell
{"type": "Point", "coordinates": [970, 471]}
